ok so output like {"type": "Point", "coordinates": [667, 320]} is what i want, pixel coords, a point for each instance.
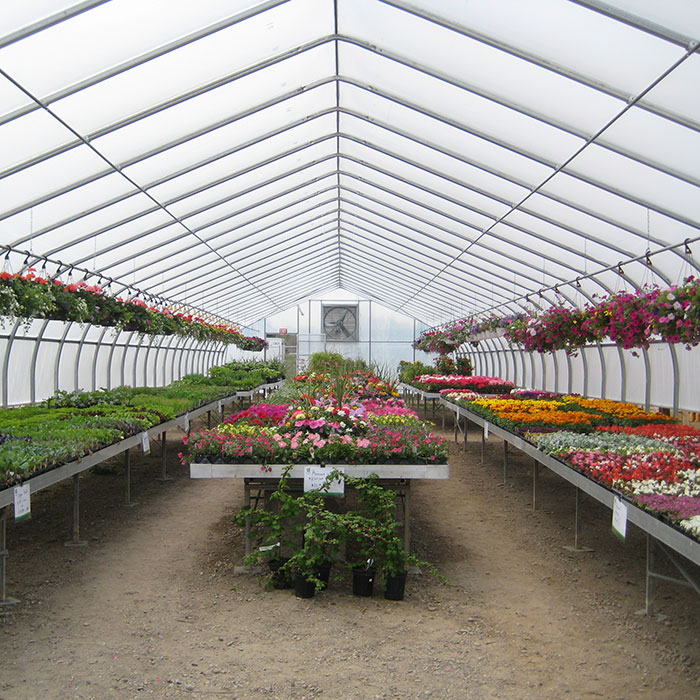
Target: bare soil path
{"type": "Point", "coordinates": [153, 606]}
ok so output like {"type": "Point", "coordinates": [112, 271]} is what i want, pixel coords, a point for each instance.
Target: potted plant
{"type": "Point", "coordinates": [323, 535]}
{"type": "Point", "coordinates": [277, 530]}
{"type": "Point", "coordinates": [380, 548]}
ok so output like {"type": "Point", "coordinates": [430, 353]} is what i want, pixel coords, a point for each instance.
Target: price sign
{"type": "Point", "coordinates": [145, 443]}
{"type": "Point", "coordinates": [486, 431]}
{"type": "Point", "coordinates": [315, 479]}
{"type": "Point", "coordinates": [221, 406]}
{"type": "Point", "coordinates": [619, 518]}
{"type": "Point", "coordinates": [186, 422]}
{"type": "Point", "coordinates": [23, 506]}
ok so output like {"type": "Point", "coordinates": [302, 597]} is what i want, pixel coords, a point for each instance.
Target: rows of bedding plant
{"type": "Point", "coordinates": [323, 418]}
{"type": "Point", "coordinates": [649, 457]}
{"type": "Point", "coordinates": [69, 425]}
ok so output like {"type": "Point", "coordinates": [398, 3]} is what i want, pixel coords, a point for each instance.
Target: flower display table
{"type": "Point", "coordinates": [660, 534]}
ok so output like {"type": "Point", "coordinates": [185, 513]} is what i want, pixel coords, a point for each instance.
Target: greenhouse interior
{"type": "Point", "coordinates": [313, 306]}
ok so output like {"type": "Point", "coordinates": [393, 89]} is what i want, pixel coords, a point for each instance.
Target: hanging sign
{"type": "Point", "coordinates": [619, 518]}
{"type": "Point", "coordinates": [145, 443]}
{"type": "Point", "coordinates": [315, 480]}
{"type": "Point", "coordinates": [186, 422]}
{"type": "Point", "coordinates": [221, 406]}
{"type": "Point", "coordinates": [23, 506]}
{"type": "Point", "coordinates": [486, 431]}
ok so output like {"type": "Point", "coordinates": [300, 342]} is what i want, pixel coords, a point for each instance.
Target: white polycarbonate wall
{"type": "Point", "coordinates": [43, 357]}
{"type": "Point", "coordinates": [439, 157]}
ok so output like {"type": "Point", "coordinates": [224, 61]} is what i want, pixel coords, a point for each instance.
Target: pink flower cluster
{"type": "Point", "coordinates": [392, 407]}
{"type": "Point", "coordinates": [481, 385]}
{"type": "Point", "coordinates": [260, 414]}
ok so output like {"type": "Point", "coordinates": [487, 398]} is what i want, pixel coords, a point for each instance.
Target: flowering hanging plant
{"type": "Point", "coordinates": [437, 341]}
{"type": "Point", "coordinates": [676, 313]}
{"type": "Point", "coordinates": [629, 319]}
{"type": "Point", "coordinates": [32, 295]}
{"type": "Point", "coordinates": [626, 318]}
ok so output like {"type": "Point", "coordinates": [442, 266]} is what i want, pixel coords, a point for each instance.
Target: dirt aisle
{"type": "Point", "coordinates": [153, 608]}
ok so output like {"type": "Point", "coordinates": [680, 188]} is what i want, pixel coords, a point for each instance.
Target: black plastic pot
{"type": "Point", "coordinates": [394, 586]}
{"type": "Point", "coordinates": [303, 588]}
{"type": "Point", "coordinates": [279, 579]}
{"type": "Point", "coordinates": [324, 573]}
{"type": "Point", "coordinates": [363, 581]}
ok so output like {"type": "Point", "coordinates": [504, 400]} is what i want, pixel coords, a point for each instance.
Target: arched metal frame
{"type": "Point", "coordinates": [446, 234]}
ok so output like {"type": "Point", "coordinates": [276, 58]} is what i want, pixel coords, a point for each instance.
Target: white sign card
{"type": "Point", "coordinates": [619, 518]}
{"type": "Point", "coordinates": [23, 506]}
{"type": "Point", "coordinates": [486, 431]}
{"type": "Point", "coordinates": [186, 422]}
{"type": "Point", "coordinates": [221, 406]}
{"type": "Point", "coordinates": [145, 443]}
{"type": "Point", "coordinates": [315, 477]}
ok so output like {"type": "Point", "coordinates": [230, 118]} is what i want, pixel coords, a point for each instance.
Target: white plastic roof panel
{"type": "Point", "coordinates": [438, 157]}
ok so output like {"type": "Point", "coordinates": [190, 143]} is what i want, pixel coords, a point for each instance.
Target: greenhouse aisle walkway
{"type": "Point", "coordinates": [154, 608]}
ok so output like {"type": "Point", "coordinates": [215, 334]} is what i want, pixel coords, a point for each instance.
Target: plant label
{"type": "Point", "coordinates": [315, 480]}
{"type": "Point", "coordinates": [145, 443]}
{"type": "Point", "coordinates": [269, 547]}
{"type": "Point", "coordinates": [619, 518]}
{"type": "Point", "coordinates": [486, 431]}
{"type": "Point", "coordinates": [23, 506]}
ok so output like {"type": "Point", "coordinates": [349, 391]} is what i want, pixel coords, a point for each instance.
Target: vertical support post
{"type": "Point", "coordinates": [649, 598]}
{"type": "Point", "coordinates": [577, 524]}
{"type": "Point", "coordinates": [4, 600]}
{"type": "Point", "coordinates": [127, 478]}
{"type": "Point", "coordinates": [208, 419]}
{"type": "Point", "coordinates": [466, 428]}
{"type": "Point", "coordinates": [369, 333]}
{"type": "Point", "coordinates": [505, 462]}
{"type": "Point", "coordinates": [407, 516]}
{"type": "Point", "coordinates": [535, 480]}
{"type": "Point", "coordinates": [164, 458]}
{"type": "Point", "coordinates": [483, 446]}
{"type": "Point", "coordinates": [76, 541]}
{"type": "Point", "coordinates": [246, 504]}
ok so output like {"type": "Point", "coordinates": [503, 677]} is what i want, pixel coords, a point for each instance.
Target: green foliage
{"type": "Point", "coordinates": [289, 392]}
{"type": "Point", "coordinates": [334, 364]}
{"type": "Point", "coordinates": [310, 528]}
{"type": "Point", "coordinates": [408, 371]}
{"type": "Point", "coordinates": [72, 424]}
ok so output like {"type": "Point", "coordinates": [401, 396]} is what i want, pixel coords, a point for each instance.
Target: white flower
{"type": "Point", "coordinates": [692, 525]}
